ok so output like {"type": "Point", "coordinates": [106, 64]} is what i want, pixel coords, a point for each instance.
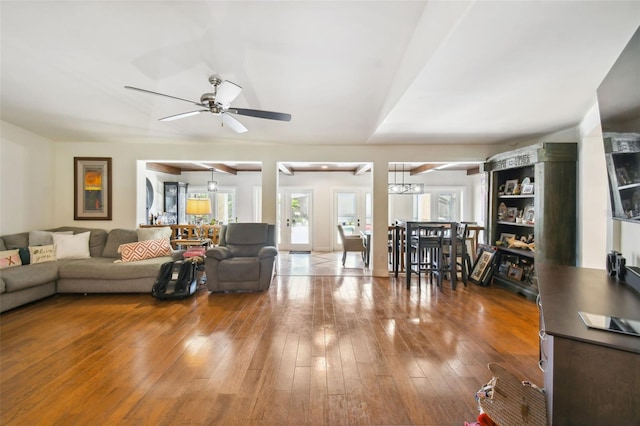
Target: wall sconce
{"type": "Point", "coordinates": [212, 185]}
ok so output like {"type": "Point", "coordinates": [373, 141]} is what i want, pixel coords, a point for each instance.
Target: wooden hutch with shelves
{"type": "Point", "coordinates": [532, 212]}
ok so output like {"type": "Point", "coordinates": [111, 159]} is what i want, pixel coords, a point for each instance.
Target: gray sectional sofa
{"type": "Point", "coordinates": [101, 273]}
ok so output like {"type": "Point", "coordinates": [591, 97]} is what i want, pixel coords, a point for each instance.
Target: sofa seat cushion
{"type": "Point", "coordinates": [104, 268]}
{"type": "Point", "coordinates": [240, 269]}
{"type": "Point", "coordinates": [29, 276]}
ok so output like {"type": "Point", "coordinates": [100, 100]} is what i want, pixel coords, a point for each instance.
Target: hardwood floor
{"type": "Point", "coordinates": [320, 350]}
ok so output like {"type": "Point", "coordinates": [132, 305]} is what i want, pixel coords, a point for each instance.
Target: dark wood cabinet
{"type": "Point", "coordinates": [175, 202]}
{"type": "Point", "coordinates": [591, 377]}
{"type": "Point", "coordinates": [532, 203]}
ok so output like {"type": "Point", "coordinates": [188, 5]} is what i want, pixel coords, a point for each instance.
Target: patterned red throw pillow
{"type": "Point", "coordinates": [141, 250]}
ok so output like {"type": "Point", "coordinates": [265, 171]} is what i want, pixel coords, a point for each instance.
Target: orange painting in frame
{"type": "Point", "coordinates": [92, 186]}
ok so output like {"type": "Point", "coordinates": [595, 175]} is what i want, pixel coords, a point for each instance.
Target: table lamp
{"type": "Point", "coordinates": [198, 207]}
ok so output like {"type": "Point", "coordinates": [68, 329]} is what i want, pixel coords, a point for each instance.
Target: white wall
{"type": "Point", "coordinates": [597, 232]}
{"type": "Point", "coordinates": [37, 192]}
{"type": "Point", "coordinates": [129, 178]}
{"type": "Point", "coordinates": [27, 181]}
{"type": "Point", "coordinates": [594, 210]}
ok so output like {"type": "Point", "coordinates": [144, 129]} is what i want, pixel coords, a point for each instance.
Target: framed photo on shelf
{"type": "Point", "coordinates": [623, 176]}
{"type": "Point", "coordinates": [512, 213]}
{"type": "Point", "coordinates": [509, 186]}
{"type": "Point", "coordinates": [529, 214]}
{"type": "Point", "coordinates": [92, 188]}
{"type": "Point", "coordinates": [515, 272]}
{"type": "Point", "coordinates": [527, 189]}
{"type": "Point", "coordinates": [483, 266]}
{"type": "Point", "coordinates": [503, 211]}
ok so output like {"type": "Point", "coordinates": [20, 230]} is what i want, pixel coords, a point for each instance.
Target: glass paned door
{"type": "Point", "coordinates": [295, 224]}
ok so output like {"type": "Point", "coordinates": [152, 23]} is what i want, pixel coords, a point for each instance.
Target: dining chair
{"type": "Point", "coordinates": [390, 238]}
{"type": "Point", "coordinates": [350, 243]}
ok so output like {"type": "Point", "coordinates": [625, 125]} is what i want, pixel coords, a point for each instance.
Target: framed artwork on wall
{"type": "Point", "coordinates": [92, 188]}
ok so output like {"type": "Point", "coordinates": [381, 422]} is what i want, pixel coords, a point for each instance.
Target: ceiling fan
{"type": "Point", "coordinates": [218, 103]}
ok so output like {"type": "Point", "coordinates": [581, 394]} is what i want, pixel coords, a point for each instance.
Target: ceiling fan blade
{"type": "Point", "coordinates": [233, 123]}
{"type": "Point", "coordinates": [183, 115]}
{"type": "Point", "coordinates": [162, 94]}
{"type": "Point", "coordinates": [271, 115]}
{"type": "Point", "coordinates": [227, 92]}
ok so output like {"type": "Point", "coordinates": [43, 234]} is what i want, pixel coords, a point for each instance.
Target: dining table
{"type": "Point", "coordinates": [407, 229]}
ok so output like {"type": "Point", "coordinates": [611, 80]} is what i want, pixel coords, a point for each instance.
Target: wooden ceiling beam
{"type": "Point", "coordinates": [473, 171]}
{"type": "Point", "coordinates": [423, 169]}
{"type": "Point", "coordinates": [223, 168]}
{"type": "Point", "coordinates": [363, 168]}
{"type": "Point", "coordinates": [285, 169]}
{"type": "Point", "coordinates": [163, 168]}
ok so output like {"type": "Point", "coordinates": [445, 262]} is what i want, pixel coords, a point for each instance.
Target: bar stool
{"type": "Point", "coordinates": [461, 261]}
{"type": "Point", "coordinates": [428, 256]}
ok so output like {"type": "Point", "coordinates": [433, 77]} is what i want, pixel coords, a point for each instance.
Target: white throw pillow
{"type": "Point", "coordinates": [72, 246]}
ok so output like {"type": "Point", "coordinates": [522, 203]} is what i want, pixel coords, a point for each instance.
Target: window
{"type": "Point", "coordinates": [439, 204]}
{"type": "Point", "coordinates": [224, 205]}
{"type": "Point", "coordinates": [257, 204]}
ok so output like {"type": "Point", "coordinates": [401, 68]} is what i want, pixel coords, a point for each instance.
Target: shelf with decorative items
{"type": "Point", "coordinates": [528, 221]}
{"type": "Point", "coordinates": [622, 155]}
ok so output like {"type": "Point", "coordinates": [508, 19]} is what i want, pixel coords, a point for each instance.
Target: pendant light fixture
{"type": "Point", "coordinates": [212, 185]}
{"type": "Point", "coordinates": [404, 188]}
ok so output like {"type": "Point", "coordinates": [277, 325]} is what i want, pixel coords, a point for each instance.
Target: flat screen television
{"type": "Point", "coordinates": [619, 104]}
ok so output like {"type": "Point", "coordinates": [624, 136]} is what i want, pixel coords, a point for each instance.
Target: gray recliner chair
{"type": "Point", "coordinates": [244, 259]}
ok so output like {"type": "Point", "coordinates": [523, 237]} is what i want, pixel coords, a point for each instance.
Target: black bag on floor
{"type": "Point", "coordinates": [176, 280]}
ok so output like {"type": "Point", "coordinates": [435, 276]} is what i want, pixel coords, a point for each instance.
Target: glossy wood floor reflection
{"type": "Point", "coordinates": [311, 350]}
{"type": "Point", "coordinates": [321, 263]}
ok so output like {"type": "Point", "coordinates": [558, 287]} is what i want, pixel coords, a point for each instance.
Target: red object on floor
{"type": "Point", "coordinates": [485, 420]}
{"type": "Point", "coordinates": [195, 251]}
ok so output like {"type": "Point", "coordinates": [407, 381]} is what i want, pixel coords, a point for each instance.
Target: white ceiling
{"type": "Point", "coordinates": [350, 72]}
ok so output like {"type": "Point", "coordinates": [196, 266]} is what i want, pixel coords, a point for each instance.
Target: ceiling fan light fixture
{"type": "Point", "coordinates": [219, 103]}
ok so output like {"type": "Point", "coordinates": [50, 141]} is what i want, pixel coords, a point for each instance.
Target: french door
{"type": "Point", "coordinates": [295, 219]}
